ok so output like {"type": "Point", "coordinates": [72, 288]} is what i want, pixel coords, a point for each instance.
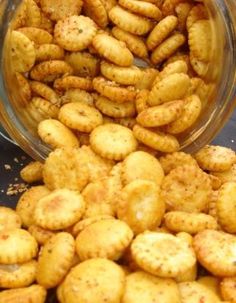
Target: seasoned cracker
{"type": "Point", "coordinates": [55, 260]}
{"type": "Point", "coordinates": [59, 210]}
{"type": "Point", "coordinates": [44, 91]}
{"type": "Point", "coordinates": [9, 219]}
{"type": "Point", "coordinates": [48, 71]}
{"type": "Point", "coordinates": [11, 240]}
{"type": "Point", "coordinates": [200, 88]}
{"type": "Point", "coordinates": [60, 9]}
{"type": "Point", "coordinates": [167, 48]}
{"type": "Point", "coordinates": [77, 95]}
{"type": "Point", "coordinates": [201, 68]}
{"type": "Point", "coordinates": [188, 275]}
{"type": "Point", "coordinates": [33, 172]}
{"type": "Point", "coordinates": [80, 116]}
{"type": "Point", "coordinates": [99, 196]}
{"type": "Point", "coordinates": [17, 275]}
{"type": "Point", "coordinates": [183, 56]}
{"type": "Point", "coordinates": [113, 141]}
{"type": "Point", "coordinates": [114, 109]}
{"type": "Point", "coordinates": [228, 175]}
{"type": "Point", "coordinates": [178, 221]}
{"type": "Point", "coordinates": [112, 49]}
{"type": "Point", "coordinates": [155, 139]}
{"type": "Point", "coordinates": [172, 161]}
{"type": "Point", "coordinates": [147, 79]}
{"type": "Point", "coordinates": [33, 14]}
{"type": "Point", "coordinates": [143, 287]}
{"type": "Point", "coordinates": [182, 11]}
{"type": "Point", "coordinates": [45, 52]}
{"type": "Point", "coordinates": [75, 33]}
{"type": "Point", "coordinates": [69, 82]}
{"type": "Point", "coordinates": [56, 134]}
{"type": "Point", "coordinates": [199, 40]}
{"type": "Point", "coordinates": [34, 294]}
{"type": "Point", "coordinates": [22, 52]}
{"type": "Point", "coordinates": [20, 16]}
{"type": "Point", "coordinates": [33, 115]}
{"type": "Point", "coordinates": [141, 206]}
{"type": "Point", "coordinates": [104, 239]}
{"type": "Point", "coordinates": [134, 43]}
{"type": "Point", "coordinates": [161, 115]}
{"type": "Point", "coordinates": [96, 10]}
{"type": "Point", "coordinates": [191, 111]}
{"type": "Point", "coordinates": [226, 207]}
{"type": "Point", "coordinates": [161, 31]}
{"type": "Point", "coordinates": [130, 22]}
{"type": "Point", "coordinates": [215, 158]}
{"type": "Point", "coordinates": [212, 283]}
{"type": "Point", "coordinates": [44, 107]}
{"type": "Point", "coordinates": [97, 166]}
{"type": "Point", "coordinates": [27, 202]}
{"type": "Point", "coordinates": [195, 292]}
{"type": "Point", "coordinates": [83, 63]}
{"type": "Point", "coordinates": [172, 87]}
{"type": "Point", "coordinates": [211, 246]}
{"type": "Point", "coordinates": [36, 35]}
{"type": "Point", "coordinates": [228, 289]}
{"type": "Point", "coordinates": [82, 224]}
{"type": "Point", "coordinates": [142, 8]}
{"type": "Point", "coordinates": [141, 165]}
{"type": "Point", "coordinates": [65, 168]}
{"type": "Point", "coordinates": [186, 188]}
{"type": "Point", "coordinates": [198, 12]}
{"type": "Point", "coordinates": [114, 91]}
{"type": "Point", "coordinates": [178, 66]}
{"type": "Point", "coordinates": [173, 256]}
{"type": "Point", "coordinates": [93, 278]}
{"type": "Point", "coordinates": [122, 75]}
{"type": "Point", "coordinates": [168, 6]}
{"type": "Point", "coordinates": [24, 88]}
{"type": "Point", "coordinates": [141, 100]}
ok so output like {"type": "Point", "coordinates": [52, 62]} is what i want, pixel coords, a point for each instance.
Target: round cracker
{"type": "Point", "coordinates": [22, 52]}
{"type": "Point", "coordinates": [113, 141]}
{"type": "Point", "coordinates": [75, 33]}
{"type": "Point", "coordinates": [65, 168]}
{"type": "Point", "coordinates": [162, 254]}
{"type": "Point", "coordinates": [55, 260]}
{"type": "Point", "coordinates": [104, 239]}
{"type": "Point", "coordinates": [59, 210]}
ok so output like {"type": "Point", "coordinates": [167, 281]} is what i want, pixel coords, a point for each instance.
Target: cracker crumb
{"type": "Point", "coordinates": [16, 160]}
{"type": "Point", "coordinates": [15, 189]}
{"type": "Point", "coordinates": [7, 167]}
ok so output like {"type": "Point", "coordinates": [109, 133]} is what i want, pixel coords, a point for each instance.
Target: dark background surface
{"type": "Point", "coordinates": [16, 158]}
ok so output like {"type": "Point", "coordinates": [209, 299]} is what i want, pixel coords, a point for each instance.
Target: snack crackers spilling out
{"type": "Point", "coordinates": [117, 213]}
